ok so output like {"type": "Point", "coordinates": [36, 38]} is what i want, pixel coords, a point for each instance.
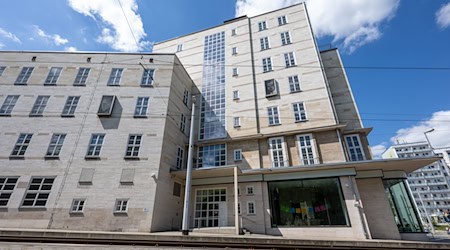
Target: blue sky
{"type": "Point", "coordinates": [400, 104]}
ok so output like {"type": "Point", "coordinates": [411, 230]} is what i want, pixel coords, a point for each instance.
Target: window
{"type": "Point", "coordinates": [186, 97]}
{"type": "Point", "coordinates": [176, 189]}
{"type": "Point", "coordinates": [251, 207]}
{"type": "Point", "coordinates": [179, 47]}
{"type": "Point", "coordinates": [95, 145]}
{"type": "Point", "coordinates": [289, 59]}
{"type": "Point", "coordinates": [236, 95]}
{"type": "Point", "coordinates": [8, 104]}
{"type": "Point", "coordinates": [234, 50]}
{"type": "Point", "coordinates": [262, 25]}
{"type": "Point", "coordinates": [180, 157]}
{"type": "Point", "coordinates": [233, 32]}
{"type": "Point", "coordinates": [133, 146]}
{"type": "Point", "coordinates": [264, 42]}
{"type": "Point", "coordinates": [39, 105]}
{"type": "Point", "coordinates": [212, 156]}
{"type": "Point", "coordinates": [250, 190]}
{"type": "Point", "coordinates": [25, 73]}
{"type": "Point", "coordinates": [299, 112]}
{"type": "Point", "coordinates": [77, 206]}
{"type": "Point", "coordinates": [238, 155]}
{"type": "Point", "coordinates": [21, 145]}
{"type": "Point", "coordinates": [235, 71]}
{"type": "Point", "coordinates": [147, 77]}
{"type": "Point", "coordinates": [239, 208]}
{"type": "Point", "coordinates": [56, 143]}
{"type": "Point", "coordinates": [82, 76]}
{"type": "Point", "coordinates": [2, 69]}
{"type": "Point", "coordinates": [121, 206]}
{"type": "Point", "coordinates": [294, 83]}
{"type": "Point", "coordinates": [307, 149]}
{"type": "Point", "coordinates": [70, 106]}
{"type": "Point", "coordinates": [115, 76]}
{"type": "Point", "coordinates": [141, 107]}
{"type": "Point", "coordinates": [106, 105]}
{"type": "Point", "coordinates": [7, 185]}
{"type": "Point", "coordinates": [274, 118]}
{"type": "Point", "coordinates": [277, 152]}
{"type": "Point", "coordinates": [183, 123]}
{"type": "Point", "coordinates": [38, 192]}
{"type": "Point", "coordinates": [208, 204]}
{"type": "Point", "coordinates": [267, 64]}
{"type": "Point", "coordinates": [282, 20]}
{"type": "Point", "coordinates": [53, 75]}
{"type": "Point", "coordinates": [271, 87]}
{"type": "Point", "coordinates": [236, 122]}
{"type": "Point", "coordinates": [285, 38]}
{"type": "Point", "coordinates": [354, 148]}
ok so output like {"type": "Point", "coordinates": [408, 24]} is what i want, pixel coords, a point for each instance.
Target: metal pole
{"type": "Point", "coordinates": [236, 214]}
{"type": "Point", "coordinates": [426, 137]}
{"type": "Point", "coordinates": [187, 192]}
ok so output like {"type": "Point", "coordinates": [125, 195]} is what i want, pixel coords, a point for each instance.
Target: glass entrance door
{"type": "Point", "coordinates": [210, 208]}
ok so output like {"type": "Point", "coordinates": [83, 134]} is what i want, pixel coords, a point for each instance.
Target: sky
{"type": "Point", "coordinates": [396, 52]}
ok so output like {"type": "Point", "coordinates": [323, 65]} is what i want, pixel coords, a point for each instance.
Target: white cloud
{"type": "Point", "coordinates": [377, 150]}
{"type": "Point", "coordinates": [9, 35]}
{"type": "Point", "coordinates": [115, 31]}
{"type": "Point", "coordinates": [443, 16]}
{"type": "Point", "coordinates": [353, 23]}
{"type": "Point", "coordinates": [70, 49]}
{"type": "Point", "coordinates": [55, 38]}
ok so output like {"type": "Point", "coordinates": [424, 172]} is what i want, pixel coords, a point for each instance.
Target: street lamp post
{"type": "Point", "coordinates": [428, 140]}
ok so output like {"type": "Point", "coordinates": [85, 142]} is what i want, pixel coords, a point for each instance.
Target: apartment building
{"type": "Point", "coordinates": [430, 184]}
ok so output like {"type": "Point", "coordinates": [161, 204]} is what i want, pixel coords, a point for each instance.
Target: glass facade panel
{"type": "Point", "coordinates": [212, 156]}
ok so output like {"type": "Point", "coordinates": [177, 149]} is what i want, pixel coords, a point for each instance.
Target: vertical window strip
{"type": "Point", "coordinates": [183, 123]}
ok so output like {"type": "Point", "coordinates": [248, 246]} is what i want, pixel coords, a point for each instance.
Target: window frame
{"type": "Point", "coordinates": [264, 43]}
{"type": "Point", "coordinates": [349, 148]}
{"type": "Point", "coordinates": [142, 108]}
{"type": "Point", "coordinates": [134, 146]}
{"type": "Point", "coordinates": [180, 47]}
{"type": "Point", "coordinates": [274, 116]}
{"type": "Point", "coordinates": [267, 64]}
{"type": "Point", "coordinates": [212, 148]}
{"type": "Point", "coordinates": [300, 112]}
{"type": "Point", "coordinates": [70, 106]}
{"type": "Point", "coordinates": [236, 122]}
{"type": "Point", "coordinates": [285, 38]}
{"type": "Point", "coordinates": [5, 193]}
{"type": "Point", "coordinates": [95, 145]}
{"type": "Point", "coordinates": [262, 25]}
{"type": "Point", "coordinates": [253, 207]}
{"type": "Point", "coordinates": [274, 87]}
{"type": "Point", "coordinates": [236, 95]}
{"type": "Point", "coordinates": [22, 146]}
{"type": "Point", "coordinates": [285, 161]}
{"type": "Point", "coordinates": [8, 105]}
{"type": "Point", "coordinates": [237, 154]}
{"type": "Point", "coordinates": [24, 76]}
{"type": "Point", "coordinates": [148, 74]}
{"type": "Point", "coordinates": [252, 188]}
{"type": "Point", "coordinates": [180, 158]}
{"type": "Point", "coordinates": [294, 84]}
{"type": "Point", "coordinates": [115, 77]}
{"type": "Point", "coordinates": [77, 210]}
{"type": "Point", "coordinates": [82, 76]}
{"type": "Point", "coordinates": [2, 69]}
{"type": "Point", "coordinates": [53, 75]}
{"type": "Point", "coordinates": [234, 51]}
{"type": "Point", "coordinates": [120, 202]}
{"type": "Point", "coordinates": [290, 60]}
{"type": "Point", "coordinates": [55, 145]}
{"type": "Point", "coordinates": [186, 97]}
{"type": "Point", "coordinates": [309, 149]}
{"type": "Point", "coordinates": [183, 123]}
{"type": "Point", "coordinates": [282, 20]}
{"type": "Point", "coordinates": [235, 71]}
{"type": "Point", "coordinates": [38, 192]}
{"type": "Point", "coordinates": [39, 105]}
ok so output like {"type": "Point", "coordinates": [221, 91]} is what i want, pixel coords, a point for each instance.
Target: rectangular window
{"type": "Point", "coordinates": [121, 206]}
{"type": "Point", "coordinates": [238, 155]}
{"type": "Point", "coordinates": [274, 115]}
{"type": "Point", "coordinates": [7, 185]}
{"type": "Point", "coordinates": [307, 149]}
{"type": "Point", "coordinates": [235, 71]}
{"type": "Point", "coordinates": [236, 95]}
{"type": "Point", "coordinates": [2, 69]}
{"type": "Point", "coordinates": [264, 42]}
{"type": "Point", "coordinates": [183, 123]}
{"type": "Point", "coordinates": [77, 206]}
{"type": "Point", "coordinates": [282, 20]}
{"type": "Point", "coordinates": [95, 145]}
{"type": "Point", "coordinates": [53, 76]}
{"type": "Point", "coordinates": [233, 32]}
{"type": "Point", "coordinates": [21, 145]}
{"type": "Point", "coordinates": [294, 83]}
{"type": "Point", "coordinates": [236, 122]}
{"type": "Point", "coordinates": [141, 107]}
{"type": "Point", "coordinates": [176, 189]}
{"type": "Point", "coordinates": [70, 106]}
{"type": "Point", "coordinates": [271, 87]}
{"type": "Point", "coordinates": [133, 146]}
{"type": "Point", "coordinates": [115, 76]}
{"type": "Point", "coordinates": [106, 105]}
{"type": "Point", "coordinates": [56, 143]}
{"type": "Point", "coordinates": [289, 59]}
{"type": "Point", "coordinates": [82, 76]}
{"type": "Point", "coordinates": [285, 38]}
{"type": "Point", "coordinates": [267, 64]}
{"type": "Point", "coordinates": [212, 156]}
{"type": "Point", "coordinates": [239, 208]}
{"type": "Point", "coordinates": [186, 97]}
{"type": "Point", "coordinates": [250, 190]}
{"type": "Point", "coordinates": [25, 73]}
{"type": "Point", "coordinates": [39, 105]}
{"type": "Point", "coordinates": [262, 25]}
{"type": "Point", "coordinates": [180, 157]}
{"type": "Point", "coordinates": [208, 207]}
{"type": "Point", "coordinates": [38, 192]}
{"type": "Point", "coordinates": [8, 104]}
{"type": "Point", "coordinates": [251, 207]}
{"type": "Point", "coordinates": [179, 47]}
{"type": "Point", "coordinates": [234, 50]}
{"type": "Point", "coordinates": [277, 152]}
{"type": "Point", "coordinates": [299, 112]}
{"type": "Point", "coordinates": [147, 77]}
{"type": "Point", "coordinates": [355, 149]}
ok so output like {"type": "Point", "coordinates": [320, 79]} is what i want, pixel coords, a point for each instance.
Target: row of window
{"type": "Point", "coordinates": [36, 194]}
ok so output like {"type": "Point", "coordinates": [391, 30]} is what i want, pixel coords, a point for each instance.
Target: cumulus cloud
{"type": "Point", "coordinates": [377, 150]}
{"type": "Point", "coordinates": [70, 49]}
{"type": "Point", "coordinates": [9, 35]}
{"type": "Point", "coordinates": [351, 23]}
{"type": "Point", "coordinates": [443, 16]}
{"type": "Point", "coordinates": [115, 30]}
{"type": "Point", "coordinates": [55, 38]}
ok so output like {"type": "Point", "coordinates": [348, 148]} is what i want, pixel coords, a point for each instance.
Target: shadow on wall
{"type": "Point", "coordinates": [112, 121]}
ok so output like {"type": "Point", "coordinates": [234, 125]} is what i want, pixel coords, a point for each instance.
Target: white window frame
{"type": "Point", "coordinates": [309, 149]}
{"type": "Point", "coordinates": [234, 32]}
{"type": "Point", "coordinates": [239, 207]}
{"type": "Point", "coordinates": [235, 71]}
{"type": "Point", "coordinates": [55, 145]}
{"type": "Point", "coordinates": [97, 144]}
{"type": "Point", "coordinates": [251, 204]}
{"type": "Point", "coordinates": [282, 20]}
{"type": "Point", "coordinates": [234, 51]}
{"type": "Point", "coordinates": [179, 47]}
{"type": "Point", "coordinates": [115, 77]}
{"type": "Point", "coordinates": [299, 112]}
{"type": "Point", "coordinates": [236, 95]}
{"type": "Point", "coordinates": [42, 193]}
{"type": "Point", "coordinates": [183, 123]}
{"type": "Point", "coordinates": [285, 38]}
{"type": "Point", "coordinates": [262, 25]}
{"type": "Point", "coordinates": [285, 161]}
{"type": "Point", "coordinates": [250, 190]}
{"type": "Point", "coordinates": [274, 116]}
{"type": "Point", "coordinates": [134, 143]}
{"type": "Point", "coordinates": [264, 43]}
{"type": "Point", "coordinates": [24, 76]}
{"type": "Point", "coordinates": [119, 206]}
{"type": "Point", "coordinates": [7, 187]}
{"type": "Point", "coordinates": [186, 97]}
{"type": "Point", "coordinates": [53, 75]}
{"type": "Point", "coordinates": [82, 75]}
{"type": "Point", "coordinates": [141, 106]}
{"type": "Point", "coordinates": [39, 105]}
{"type": "Point", "coordinates": [8, 104]}
{"type": "Point", "coordinates": [147, 77]}
{"type": "Point", "coordinates": [289, 59]}
{"type": "Point", "coordinates": [77, 206]}
{"type": "Point", "coordinates": [236, 121]}
{"type": "Point", "coordinates": [354, 147]}
{"type": "Point", "coordinates": [70, 106]}
{"type": "Point", "coordinates": [237, 155]}
{"type": "Point", "coordinates": [267, 64]}
{"type": "Point", "coordinates": [294, 84]}
{"type": "Point", "coordinates": [180, 158]}
{"type": "Point", "coordinates": [21, 146]}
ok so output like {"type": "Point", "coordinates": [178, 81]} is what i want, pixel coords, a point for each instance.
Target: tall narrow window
{"type": "Point", "coordinates": [274, 116]}
{"type": "Point", "coordinates": [8, 104]}
{"type": "Point", "coordinates": [294, 83]}
{"type": "Point", "coordinates": [70, 106]}
{"type": "Point", "coordinates": [212, 156]}
{"type": "Point", "coordinates": [141, 107]}
{"type": "Point", "coordinates": [186, 97]}
{"type": "Point", "coordinates": [299, 112]}
{"type": "Point", "coordinates": [38, 192]}
{"type": "Point", "coordinates": [277, 152]}
{"type": "Point", "coordinates": [147, 77]}
{"type": "Point", "coordinates": [236, 122]}
{"type": "Point", "coordinates": [39, 105]}
{"type": "Point", "coordinates": [21, 145]}
{"type": "Point", "coordinates": [251, 208]}
{"type": "Point", "coordinates": [264, 42]}
{"type": "Point", "coordinates": [56, 143]}
{"type": "Point", "coordinates": [355, 149]}
{"type": "Point", "coordinates": [25, 73]}
{"type": "Point", "coordinates": [236, 95]}
{"type": "Point", "coordinates": [267, 64]}
{"type": "Point", "coordinates": [2, 69]}
{"type": "Point", "coordinates": [237, 155]}
{"type": "Point", "coordinates": [233, 32]}
{"type": "Point", "coordinates": [307, 150]}
{"type": "Point", "coordinates": [7, 185]}
{"type": "Point", "coordinates": [82, 76]}
{"type": "Point", "coordinates": [180, 158]}
{"type": "Point", "coordinates": [289, 59]}
{"type": "Point", "coordinates": [234, 50]}
{"type": "Point", "coordinates": [262, 25]}
{"type": "Point", "coordinates": [95, 145]}
{"type": "Point", "coordinates": [53, 75]}
{"type": "Point", "coordinates": [115, 76]}
{"type": "Point", "coordinates": [282, 20]}
{"type": "Point", "coordinates": [285, 38]}
{"type": "Point", "coordinates": [179, 47]}
{"type": "Point", "coordinates": [133, 146]}
{"type": "Point", "coordinates": [183, 123]}
{"type": "Point", "coordinates": [235, 71]}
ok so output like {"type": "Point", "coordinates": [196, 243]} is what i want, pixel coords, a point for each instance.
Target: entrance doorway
{"type": "Point", "coordinates": [210, 208]}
